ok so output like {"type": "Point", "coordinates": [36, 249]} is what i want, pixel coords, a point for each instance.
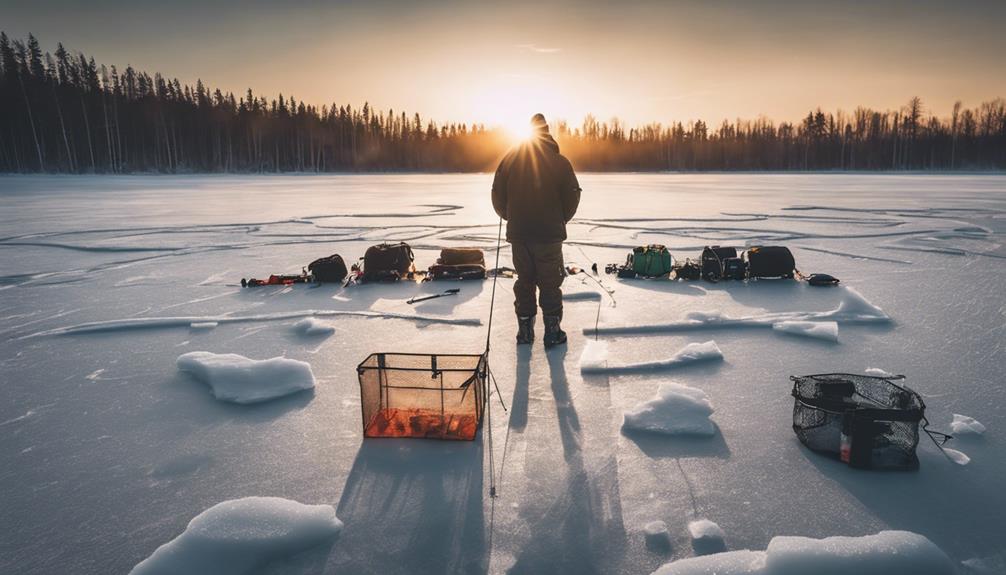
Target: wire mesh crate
{"type": "Point", "coordinates": [437, 396]}
{"type": "Point", "coordinates": [867, 422]}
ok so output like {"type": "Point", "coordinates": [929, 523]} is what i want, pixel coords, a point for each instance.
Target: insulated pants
{"type": "Point", "coordinates": [538, 265]}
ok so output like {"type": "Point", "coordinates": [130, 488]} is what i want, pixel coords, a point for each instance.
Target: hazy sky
{"type": "Point", "coordinates": [497, 62]}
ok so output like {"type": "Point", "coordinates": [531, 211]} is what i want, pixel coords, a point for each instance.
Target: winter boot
{"type": "Point", "coordinates": [525, 330]}
{"type": "Point", "coordinates": [553, 333]}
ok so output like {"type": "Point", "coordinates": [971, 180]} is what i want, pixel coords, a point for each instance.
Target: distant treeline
{"type": "Point", "coordinates": [64, 113]}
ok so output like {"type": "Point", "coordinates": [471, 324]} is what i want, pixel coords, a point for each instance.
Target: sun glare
{"type": "Point", "coordinates": [509, 102]}
{"type": "Point", "coordinates": [518, 129]}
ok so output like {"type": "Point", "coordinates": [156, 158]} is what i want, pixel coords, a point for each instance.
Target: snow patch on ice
{"type": "Point", "coordinates": [676, 410]}
{"type": "Point", "coordinates": [706, 316]}
{"type": "Point", "coordinates": [985, 565]}
{"type": "Point", "coordinates": [594, 357]}
{"type": "Point", "coordinates": [239, 535]}
{"type": "Point", "coordinates": [238, 379]}
{"type": "Point", "coordinates": [883, 553]}
{"type": "Point", "coordinates": [877, 372]}
{"type": "Point", "coordinates": [690, 354]}
{"type": "Point", "coordinates": [658, 538]}
{"type": "Point", "coordinates": [826, 330]}
{"type": "Point", "coordinates": [958, 457]}
{"type": "Point", "coordinates": [707, 537]}
{"type": "Point", "coordinates": [655, 528]}
{"type": "Point", "coordinates": [169, 322]}
{"type": "Point", "coordinates": [964, 425]}
{"type": "Point", "coordinates": [312, 326]}
{"type": "Point", "coordinates": [705, 529]}
{"type": "Point", "coordinates": [854, 308]}
{"type": "Point", "coordinates": [880, 554]}
{"type": "Point", "coordinates": [729, 563]}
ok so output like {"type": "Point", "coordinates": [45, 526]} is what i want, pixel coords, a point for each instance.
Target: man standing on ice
{"type": "Point", "coordinates": [536, 192]}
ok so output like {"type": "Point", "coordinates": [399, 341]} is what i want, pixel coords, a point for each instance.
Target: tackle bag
{"type": "Point", "coordinates": [388, 262]}
{"type": "Point", "coordinates": [712, 261]}
{"type": "Point", "coordinates": [459, 264]}
{"type": "Point", "coordinates": [456, 272]}
{"type": "Point", "coordinates": [651, 261]}
{"type": "Point", "coordinates": [328, 270]}
{"type": "Point", "coordinates": [822, 280]}
{"type": "Point", "coordinates": [770, 262]}
{"type": "Point", "coordinates": [688, 271]}
{"type": "Point", "coordinates": [461, 257]}
{"type": "Point", "coordinates": [625, 273]}
{"type": "Point", "coordinates": [734, 269]}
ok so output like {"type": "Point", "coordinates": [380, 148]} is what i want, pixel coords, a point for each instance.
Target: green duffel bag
{"type": "Point", "coordinates": [652, 261]}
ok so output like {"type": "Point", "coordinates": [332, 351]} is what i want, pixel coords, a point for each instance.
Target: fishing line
{"type": "Point", "coordinates": [489, 331]}
{"type": "Point", "coordinates": [489, 405]}
{"type": "Point", "coordinates": [610, 292]}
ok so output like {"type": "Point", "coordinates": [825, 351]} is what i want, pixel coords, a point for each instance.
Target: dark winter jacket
{"type": "Point", "coordinates": [536, 191]}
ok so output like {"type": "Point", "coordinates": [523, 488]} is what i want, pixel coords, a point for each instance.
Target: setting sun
{"type": "Point", "coordinates": [518, 130]}
{"type": "Point", "coordinates": [509, 102]}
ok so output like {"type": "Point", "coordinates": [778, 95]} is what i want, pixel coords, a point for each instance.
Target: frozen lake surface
{"type": "Point", "coordinates": [109, 450]}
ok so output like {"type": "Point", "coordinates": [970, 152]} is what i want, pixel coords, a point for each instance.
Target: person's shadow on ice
{"type": "Point", "coordinates": [522, 381]}
{"type": "Point", "coordinates": [569, 422]}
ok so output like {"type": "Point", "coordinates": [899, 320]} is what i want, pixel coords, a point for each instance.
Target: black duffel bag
{"type": "Point", "coordinates": [328, 270]}
{"type": "Point", "coordinates": [712, 261]}
{"type": "Point", "coordinates": [734, 269]}
{"type": "Point", "coordinates": [388, 262]}
{"type": "Point", "coordinates": [687, 271]}
{"type": "Point", "coordinates": [461, 257]}
{"type": "Point", "coordinates": [458, 264]}
{"type": "Point", "coordinates": [770, 262]}
{"type": "Point", "coordinates": [457, 272]}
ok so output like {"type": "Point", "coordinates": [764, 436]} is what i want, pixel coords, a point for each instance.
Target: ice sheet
{"type": "Point", "coordinates": [109, 451]}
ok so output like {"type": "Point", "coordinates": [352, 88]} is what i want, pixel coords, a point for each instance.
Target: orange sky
{"type": "Point", "coordinates": [497, 63]}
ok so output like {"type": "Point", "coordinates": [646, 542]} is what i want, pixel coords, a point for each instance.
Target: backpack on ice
{"type": "Point", "coordinates": [712, 261]}
{"type": "Point", "coordinates": [328, 270]}
{"type": "Point", "coordinates": [651, 261]}
{"type": "Point", "coordinates": [770, 262]}
{"type": "Point", "coordinates": [388, 262]}
{"type": "Point", "coordinates": [734, 269]}
{"type": "Point", "coordinates": [459, 264]}
{"type": "Point", "coordinates": [688, 271]}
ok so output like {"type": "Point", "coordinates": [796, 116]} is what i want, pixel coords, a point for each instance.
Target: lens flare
{"type": "Point", "coordinates": [518, 129]}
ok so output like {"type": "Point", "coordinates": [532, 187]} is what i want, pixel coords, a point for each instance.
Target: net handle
{"type": "Point", "coordinates": [938, 437]}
